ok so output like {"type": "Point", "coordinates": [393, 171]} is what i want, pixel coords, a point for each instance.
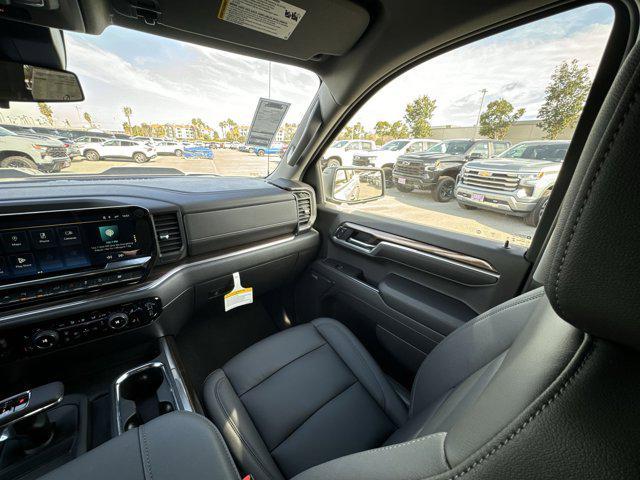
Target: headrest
{"type": "Point", "coordinates": [594, 276]}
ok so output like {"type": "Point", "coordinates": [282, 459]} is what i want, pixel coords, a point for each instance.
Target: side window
{"type": "Point", "coordinates": [111, 143]}
{"type": "Point", "coordinates": [415, 147]}
{"type": "Point", "coordinates": [499, 147]}
{"type": "Point", "coordinates": [522, 104]}
{"type": "Point", "coordinates": [479, 150]}
{"type": "Point", "coordinates": [366, 146]}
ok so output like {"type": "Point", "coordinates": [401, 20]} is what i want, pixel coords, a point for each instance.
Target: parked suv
{"type": "Point", "coordinates": [436, 169]}
{"type": "Point", "coordinates": [341, 153]}
{"type": "Point", "coordinates": [36, 153]}
{"type": "Point", "coordinates": [385, 157]}
{"type": "Point", "coordinates": [518, 182]}
{"type": "Point", "coordinates": [140, 152]}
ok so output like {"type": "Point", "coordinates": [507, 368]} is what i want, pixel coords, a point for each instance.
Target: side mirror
{"type": "Point", "coordinates": [28, 83]}
{"type": "Point", "coordinates": [352, 185]}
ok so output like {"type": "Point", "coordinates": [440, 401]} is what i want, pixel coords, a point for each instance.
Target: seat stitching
{"type": "Point", "coordinates": [355, 347]}
{"type": "Point", "coordinates": [476, 321]}
{"type": "Point", "coordinates": [223, 445]}
{"type": "Point", "coordinates": [529, 419]}
{"type": "Point", "coordinates": [400, 445]}
{"type": "Point", "coordinates": [312, 414]}
{"type": "Point", "coordinates": [237, 430]}
{"type": "Point", "coordinates": [142, 438]}
{"type": "Point", "coordinates": [283, 366]}
{"type": "Point", "coordinates": [587, 195]}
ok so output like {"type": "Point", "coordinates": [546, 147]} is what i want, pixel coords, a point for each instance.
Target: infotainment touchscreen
{"type": "Point", "coordinates": [41, 245]}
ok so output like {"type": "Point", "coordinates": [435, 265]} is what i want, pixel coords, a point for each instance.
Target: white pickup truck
{"type": "Point", "coordinates": [341, 152]}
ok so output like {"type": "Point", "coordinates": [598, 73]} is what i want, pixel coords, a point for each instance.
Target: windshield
{"type": "Point", "coordinates": [340, 144]}
{"type": "Point", "coordinates": [4, 132]}
{"type": "Point", "coordinates": [537, 151]}
{"type": "Point", "coordinates": [394, 146]}
{"type": "Point", "coordinates": [156, 89]}
{"type": "Point", "coordinates": [452, 147]}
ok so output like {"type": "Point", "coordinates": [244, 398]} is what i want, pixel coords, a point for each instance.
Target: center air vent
{"type": "Point", "coordinates": [305, 208]}
{"type": "Point", "coordinates": [168, 233]}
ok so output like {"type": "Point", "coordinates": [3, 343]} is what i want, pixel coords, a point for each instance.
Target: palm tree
{"type": "Point", "coordinates": [88, 119]}
{"type": "Point", "coordinates": [127, 113]}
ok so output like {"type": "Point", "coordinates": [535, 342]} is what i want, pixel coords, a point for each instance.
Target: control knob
{"type": "Point", "coordinates": [45, 339]}
{"type": "Point", "coordinates": [118, 320]}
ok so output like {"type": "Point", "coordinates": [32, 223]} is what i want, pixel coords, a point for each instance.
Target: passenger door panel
{"type": "Point", "coordinates": [402, 288]}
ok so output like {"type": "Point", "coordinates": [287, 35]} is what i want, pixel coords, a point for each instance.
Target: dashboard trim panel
{"type": "Point", "coordinates": [143, 288]}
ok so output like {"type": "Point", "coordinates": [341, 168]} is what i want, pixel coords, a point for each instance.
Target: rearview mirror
{"type": "Point", "coordinates": [28, 83]}
{"type": "Point", "coordinates": [353, 185]}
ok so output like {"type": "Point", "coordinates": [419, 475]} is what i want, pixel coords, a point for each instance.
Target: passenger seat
{"type": "Point", "coordinates": [312, 393]}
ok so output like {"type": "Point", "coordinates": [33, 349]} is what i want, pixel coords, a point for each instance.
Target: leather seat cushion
{"type": "Point", "coordinates": [301, 397]}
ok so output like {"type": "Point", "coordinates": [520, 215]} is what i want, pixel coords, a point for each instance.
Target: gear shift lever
{"type": "Point", "coordinates": [30, 402]}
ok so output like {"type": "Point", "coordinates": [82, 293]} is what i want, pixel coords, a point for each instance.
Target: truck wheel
{"type": "Point", "coordinates": [140, 157]}
{"type": "Point", "coordinates": [178, 153]}
{"type": "Point", "coordinates": [536, 214]}
{"type": "Point", "coordinates": [466, 207]}
{"type": "Point", "coordinates": [333, 162]}
{"type": "Point", "coordinates": [260, 153]}
{"type": "Point", "coordinates": [443, 192]}
{"type": "Point", "coordinates": [92, 155]}
{"type": "Point", "coordinates": [17, 161]}
{"type": "Point", "coordinates": [404, 188]}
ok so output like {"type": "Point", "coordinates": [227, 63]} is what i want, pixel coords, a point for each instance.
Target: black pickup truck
{"type": "Point", "coordinates": [436, 168]}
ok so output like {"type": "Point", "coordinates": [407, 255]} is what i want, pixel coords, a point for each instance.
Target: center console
{"type": "Point", "coordinates": [51, 254]}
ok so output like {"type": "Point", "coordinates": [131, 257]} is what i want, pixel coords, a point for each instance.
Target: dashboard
{"type": "Point", "coordinates": [88, 258]}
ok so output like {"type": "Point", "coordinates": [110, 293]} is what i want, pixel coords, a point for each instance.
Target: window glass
{"type": "Point", "coordinates": [480, 150]}
{"type": "Point", "coordinates": [522, 90]}
{"type": "Point", "coordinates": [155, 89]}
{"type": "Point", "coordinates": [499, 147]}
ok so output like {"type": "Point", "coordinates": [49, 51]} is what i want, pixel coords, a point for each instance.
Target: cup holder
{"type": "Point", "coordinates": [142, 395]}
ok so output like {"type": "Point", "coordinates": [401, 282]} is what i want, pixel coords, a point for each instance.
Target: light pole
{"type": "Point", "coordinates": [484, 92]}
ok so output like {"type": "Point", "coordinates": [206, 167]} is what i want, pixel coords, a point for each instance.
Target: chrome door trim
{"type": "Point", "coordinates": [459, 258]}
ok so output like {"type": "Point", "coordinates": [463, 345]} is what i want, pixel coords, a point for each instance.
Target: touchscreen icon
{"type": "Point", "coordinates": [109, 233]}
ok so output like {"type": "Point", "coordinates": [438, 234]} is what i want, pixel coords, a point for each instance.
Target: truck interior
{"type": "Point", "coordinates": [192, 326]}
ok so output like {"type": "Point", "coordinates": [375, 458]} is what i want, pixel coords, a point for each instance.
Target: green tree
{"type": "Point", "coordinates": [497, 119]}
{"type": "Point", "coordinates": [127, 113]}
{"type": "Point", "coordinates": [564, 98]}
{"type": "Point", "coordinates": [418, 116]}
{"type": "Point", "coordinates": [46, 112]}
{"type": "Point", "coordinates": [398, 129]}
{"type": "Point", "coordinates": [88, 119]}
{"type": "Point", "coordinates": [223, 127]}
{"type": "Point", "coordinates": [351, 132]}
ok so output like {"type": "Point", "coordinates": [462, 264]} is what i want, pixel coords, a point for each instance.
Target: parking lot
{"type": "Point", "coordinates": [415, 207]}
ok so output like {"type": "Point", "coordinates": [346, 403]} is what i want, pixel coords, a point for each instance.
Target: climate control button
{"type": "Point", "coordinates": [118, 320]}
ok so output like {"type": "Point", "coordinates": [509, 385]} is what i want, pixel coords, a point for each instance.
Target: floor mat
{"type": "Point", "coordinates": [210, 339]}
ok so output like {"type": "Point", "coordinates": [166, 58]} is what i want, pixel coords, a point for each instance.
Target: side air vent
{"type": "Point", "coordinates": [168, 233]}
{"type": "Point", "coordinates": [305, 209]}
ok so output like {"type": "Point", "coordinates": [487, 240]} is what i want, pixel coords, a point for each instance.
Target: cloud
{"type": "Point", "coordinates": [510, 65]}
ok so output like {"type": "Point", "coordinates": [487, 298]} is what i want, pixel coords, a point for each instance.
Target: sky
{"type": "Point", "coordinates": [166, 81]}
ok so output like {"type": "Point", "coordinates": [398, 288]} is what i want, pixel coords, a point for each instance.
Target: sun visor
{"type": "Point", "coordinates": [300, 29]}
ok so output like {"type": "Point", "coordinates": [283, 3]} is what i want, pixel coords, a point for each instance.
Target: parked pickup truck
{"type": "Point", "coordinates": [341, 152]}
{"type": "Point", "coordinates": [32, 152]}
{"type": "Point", "coordinates": [385, 157]}
{"type": "Point", "coordinates": [518, 182]}
{"type": "Point", "coordinates": [436, 168]}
